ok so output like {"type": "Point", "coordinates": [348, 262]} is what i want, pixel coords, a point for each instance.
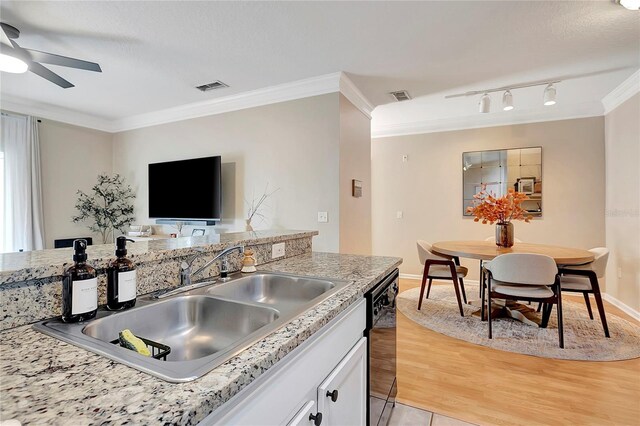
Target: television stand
{"type": "Point", "coordinates": [190, 222]}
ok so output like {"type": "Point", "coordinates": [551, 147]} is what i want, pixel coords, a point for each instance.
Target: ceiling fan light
{"type": "Point", "coordinates": [630, 4]}
{"type": "Point", "coordinates": [507, 101]}
{"type": "Point", "coordinates": [549, 97]}
{"type": "Point", "coordinates": [12, 64]}
{"type": "Point", "coordinates": [484, 106]}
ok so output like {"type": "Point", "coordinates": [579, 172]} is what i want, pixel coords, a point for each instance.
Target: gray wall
{"type": "Point", "coordinates": [355, 163]}
{"type": "Point", "coordinates": [622, 135]}
{"type": "Point", "coordinates": [291, 145]}
{"type": "Point", "coordinates": [428, 188]}
{"type": "Point", "coordinates": [71, 158]}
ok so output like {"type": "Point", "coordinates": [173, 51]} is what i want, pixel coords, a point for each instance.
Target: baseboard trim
{"type": "Point", "coordinates": [419, 278]}
{"type": "Point", "coordinates": [411, 276]}
{"type": "Point", "coordinates": [622, 306]}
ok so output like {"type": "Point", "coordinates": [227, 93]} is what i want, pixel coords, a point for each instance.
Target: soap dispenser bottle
{"type": "Point", "coordinates": [79, 287]}
{"type": "Point", "coordinates": [121, 279]}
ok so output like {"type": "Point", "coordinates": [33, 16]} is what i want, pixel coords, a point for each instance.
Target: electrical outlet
{"type": "Point", "coordinates": [323, 217]}
{"type": "Point", "coordinates": [277, 250]}
{"type": "Point", "coordinates": [405, 158]}
{"type": "Point", "coordinates": [399, 214]}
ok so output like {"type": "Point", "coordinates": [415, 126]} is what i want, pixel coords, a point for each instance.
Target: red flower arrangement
{"type": "Point", "coordinates": [490, 209]}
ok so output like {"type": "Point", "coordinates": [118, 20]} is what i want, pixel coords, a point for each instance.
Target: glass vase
{"type": "Point", "coordinates": [504, 234]}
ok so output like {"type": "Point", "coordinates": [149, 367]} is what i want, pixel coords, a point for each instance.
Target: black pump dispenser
{"type": "Point", "coordinates": [80, 251]}
{"type": "Point", "coordinates": [121, 246]}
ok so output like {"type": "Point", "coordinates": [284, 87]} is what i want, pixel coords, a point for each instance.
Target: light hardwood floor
{"type": "Point", "coordinates": [490, 387]}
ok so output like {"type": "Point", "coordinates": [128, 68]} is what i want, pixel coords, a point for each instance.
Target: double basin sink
{"type": "Point", "coordinates": [203, 327]}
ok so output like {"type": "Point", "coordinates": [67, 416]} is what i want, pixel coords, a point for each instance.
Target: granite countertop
{"type": "Point", "coordinates": [22, 266]}
{"type": "Point", "coordinates": [46, 381]}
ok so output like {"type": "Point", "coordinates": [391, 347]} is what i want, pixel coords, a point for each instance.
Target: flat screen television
{"type": "Point", "coordinates": [186, 189]}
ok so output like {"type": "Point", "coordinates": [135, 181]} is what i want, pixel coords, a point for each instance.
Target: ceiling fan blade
{"type": "Point", "coordinates": [4, 38]}
{"type": "Point", "coordinates": [47, 74]}
{"type": "Point", "coordinates": [50, 58]}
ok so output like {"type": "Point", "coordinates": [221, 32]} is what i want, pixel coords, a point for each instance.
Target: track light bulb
{"type": "Point", "coordinates": [630, 4]}
{"type": "Point", "coordinates": [549, 95]}
{"type": "Point", "coordinates": [507, 101]}
{"type": "Point", "coordinates": [484, 106]}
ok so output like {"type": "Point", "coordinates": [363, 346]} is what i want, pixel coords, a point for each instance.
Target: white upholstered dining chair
{"type": "Point", "coordinates": [523, 276]}
{"type": "Point", "coordinates": [442, 268]}
{"type": "Point", "coordinates": [584, 279]}
{"type": "Point", "coordinates": [483, 262]}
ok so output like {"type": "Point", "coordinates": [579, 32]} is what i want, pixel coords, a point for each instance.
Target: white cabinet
{"type": "Point", "coordinates": [289, 392]}
{"type": "Point", "coordinates": [304, 416]}
{"type": "Point", "coordinates": [342, 396]}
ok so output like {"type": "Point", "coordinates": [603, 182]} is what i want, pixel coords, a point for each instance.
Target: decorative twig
{"type": "Point", "coordinates": [255, 206]}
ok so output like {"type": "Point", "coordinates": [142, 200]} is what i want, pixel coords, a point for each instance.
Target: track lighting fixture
{"type": "Point", "coordinates": [507, 101]}
{"type": "Point", "coordinates": [484, 106]}
{"type": "Point", "coordinates": [549, 95]}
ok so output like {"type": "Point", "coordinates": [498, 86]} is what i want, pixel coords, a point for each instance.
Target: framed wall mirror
{"type": "Point", "coordinates": [519, 168]}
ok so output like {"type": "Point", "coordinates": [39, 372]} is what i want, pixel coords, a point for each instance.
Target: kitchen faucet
{"type": "Point", "coordinates": [185, 267]}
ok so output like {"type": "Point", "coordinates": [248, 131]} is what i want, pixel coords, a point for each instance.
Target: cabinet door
{"type": "Point", "coordinates": [342, 398]}
{"type": "Point", "coordinates": [302, 416]}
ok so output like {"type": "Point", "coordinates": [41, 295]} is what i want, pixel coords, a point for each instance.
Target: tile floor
{"type": "Point", "coordinates": [405, 415]}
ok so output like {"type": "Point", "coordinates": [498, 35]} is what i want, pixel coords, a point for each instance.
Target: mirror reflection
{"type": "Point", "coordinates": [498, 170]}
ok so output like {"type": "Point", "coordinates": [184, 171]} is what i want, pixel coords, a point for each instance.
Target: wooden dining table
{"type": "Point", "coordinates": [487, 250]}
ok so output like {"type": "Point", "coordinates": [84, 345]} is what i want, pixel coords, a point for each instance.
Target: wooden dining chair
{"type": "Point", "coordinates": [439, 267]}
{"type": "Point", "coordinates": [584, 279]}
{"type": "Point", "coordinates": [522, 276]}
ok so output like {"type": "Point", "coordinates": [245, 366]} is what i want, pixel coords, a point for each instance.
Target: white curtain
{"type": "Point", "coordinates": [23, 219]}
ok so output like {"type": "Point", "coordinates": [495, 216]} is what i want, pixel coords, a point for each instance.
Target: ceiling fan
{"type": "Point", "coordinates": [16, 59]}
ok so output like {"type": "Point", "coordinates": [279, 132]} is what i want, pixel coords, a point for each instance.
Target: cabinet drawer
{"type": "Point", "coordinates": [302, 417]}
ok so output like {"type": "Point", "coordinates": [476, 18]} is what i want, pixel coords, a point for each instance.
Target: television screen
{"type": "Point", "coordinates": [186, 189]}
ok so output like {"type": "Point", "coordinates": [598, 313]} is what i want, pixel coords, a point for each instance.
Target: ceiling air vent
{"type": "Point", "coordinates": [400, 95]}
{"type": "Point", "coordinates": [210, 86]}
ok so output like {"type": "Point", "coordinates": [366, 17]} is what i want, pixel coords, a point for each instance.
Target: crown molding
{"type": "Point", "coordinates": [314, 86]}
{"type": "Point", "coordinates": [355, 96]}
{"type": "Point", "coordinates": [620, 94]}
{"type": "Point", "coordinates": [320, 85]}
{"type": "Point", "coordinates": [55, 113]}
{"type": "Point", "coordinates": [476, 121]}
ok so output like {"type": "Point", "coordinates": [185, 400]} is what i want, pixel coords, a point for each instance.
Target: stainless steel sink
{"type": "Point", "coordinates": [193, 326]}
{"type": "Point", "coordinates": [274, 290]}
{"type": "Point", "coordinates": [204, 327]}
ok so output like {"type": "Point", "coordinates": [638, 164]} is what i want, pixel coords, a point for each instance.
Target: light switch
{"type": "Point", "coordinates": [405, 158]}
{"type": "Point", "coordinates": [323, 217]}
{"type": "Point", "coordinates": [399, 214]}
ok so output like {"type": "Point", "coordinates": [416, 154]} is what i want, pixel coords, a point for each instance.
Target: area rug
{"type": "Point", "coordinates": [583, 338]}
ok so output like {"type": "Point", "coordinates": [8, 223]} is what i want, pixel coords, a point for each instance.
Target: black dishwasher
{"type": "Point", "coordinates": [381, 360]}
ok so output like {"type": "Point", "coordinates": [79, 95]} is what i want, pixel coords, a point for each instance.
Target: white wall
{"type": "Point", "coordinates": [355, 163]}
{"type": "Point", "coordinates": [290, 145]}
{"type": "Point", "coordinates": [72, 157]}
{"type": "Point", "coordinates": [428, 188]}
{"type": "Point", "coordinates": [622, 136]}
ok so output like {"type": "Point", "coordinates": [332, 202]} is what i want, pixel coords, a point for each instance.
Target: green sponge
{"type": "Point", "coordinates": [130, 341]}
